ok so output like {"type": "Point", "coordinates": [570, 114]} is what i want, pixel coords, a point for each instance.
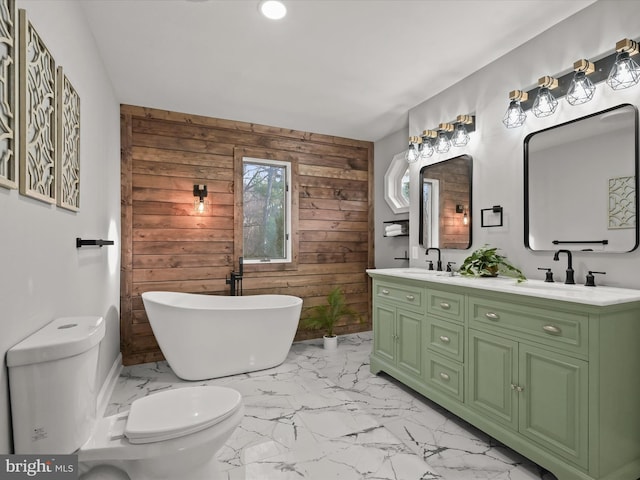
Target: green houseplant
{"type": "Point", "coordinates": [487, 262]}
{"type": "Point", "coordinates": [325, 316]}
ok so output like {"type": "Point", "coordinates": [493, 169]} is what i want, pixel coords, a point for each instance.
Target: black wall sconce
{"type": "Point", "coordinates": [465, 217]}
{"type": "Point", "coordinates": [440, 140]}
{"type": "Point", "coordinates": [495, 216]}
{"type": "Point", "coordinates": [618, 70]}
{"type": "Point", "coordinates": [200, 191]}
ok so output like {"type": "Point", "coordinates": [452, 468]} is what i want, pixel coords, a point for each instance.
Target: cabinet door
{"type": "Point", "coordinates": [384, 338]}
{"type": "Point", "coordinates": [554, 402]}
{"type": "Point", "coordinates": [409, 341]}
{"type": "Point", "coordinates": [493, 369]}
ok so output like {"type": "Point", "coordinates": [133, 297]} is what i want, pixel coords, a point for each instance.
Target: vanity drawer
{"type": "Point", "coordinates": [565, 330]}
{"type": "Point", "coordinates": [446, 304]}
{"type": "Point", "coordinates": [445, 376]}
{"type": "Point", "coordinates": [407, 296]}
{"type": "Point", "coordinates": [445, 338]}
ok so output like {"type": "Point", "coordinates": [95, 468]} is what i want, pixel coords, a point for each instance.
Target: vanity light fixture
{"type": "Point", "coordinates": [412, 152]}
{"type": "Point", "coordinates": [581, 89]}
{"type": "Point", "coordinates": [625, 72]}
{"type": "Point", "coordinates": [460, 135]}
{"type": "Point", "coordinates": [200, 191]}
{"type": "Point", "coordinates": [443, 144]}
{"type": "Point", "coordinates": [515, 115]}
{"type": "Point", "coordinates": [426, 147]}
{"type": "Point", "coordinates": [545, 103]}
{"type": "Point", "coordinates": [272, 9]}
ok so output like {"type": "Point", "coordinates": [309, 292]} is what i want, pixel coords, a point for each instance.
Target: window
{"type": "Point", "coordinates": [266, 200]}
{"type": "Point", "coordinates": [396, 184]}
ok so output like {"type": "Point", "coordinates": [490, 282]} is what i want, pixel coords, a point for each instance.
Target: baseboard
{"type": "Point", "coordinates": [108, 386]}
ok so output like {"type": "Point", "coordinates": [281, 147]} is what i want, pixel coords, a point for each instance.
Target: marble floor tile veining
{"type": "Point", "coordinates": [322, 415]}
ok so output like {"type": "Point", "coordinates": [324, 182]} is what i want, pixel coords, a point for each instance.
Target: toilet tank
{"type": "Point", "coordinates": [53, 385]}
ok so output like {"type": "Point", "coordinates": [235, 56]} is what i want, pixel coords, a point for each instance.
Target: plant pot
{"type": "Point", "coordinates": [330, 343]}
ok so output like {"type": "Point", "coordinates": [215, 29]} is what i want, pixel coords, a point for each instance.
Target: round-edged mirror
{"type": "Point", "coordinates": [581, 183]}
{"type": "Point", "coordinates": [445, 203]}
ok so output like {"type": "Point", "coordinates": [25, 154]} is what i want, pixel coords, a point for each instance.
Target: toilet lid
{"type": "Point", "coordinates": [174, 413]}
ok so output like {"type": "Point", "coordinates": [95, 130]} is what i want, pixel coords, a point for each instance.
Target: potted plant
{"type": "Point", "coordinates": [487, 262]}
{"type": "Point", "coordinates": [324, 317]}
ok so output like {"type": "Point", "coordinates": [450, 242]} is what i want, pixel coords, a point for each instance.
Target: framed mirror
{"type": "Point", "coordinates": [581, 183]}
{"type": "Point", "coordinates": [445, 203]}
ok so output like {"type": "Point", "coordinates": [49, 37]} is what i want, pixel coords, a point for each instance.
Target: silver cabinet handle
{"type": "Point", "coordinates": [517, 388]}
{"type": "Point", "coordinates": [513, 387]}
{"type": "Point", "coordinates": [444, 339]}
{"type": "Point", "coordinates": [385, 291]}
{"type": "Point", "coordinates": [552, 329]}
{"type": "Point", "coordinates": [492, 316]}
{"type": "Point", "coordinates": [445, 305]}
{"type": "Point", "coordinates": [411, 298]}
{"type": "Point", "coordinates": [444, 376]}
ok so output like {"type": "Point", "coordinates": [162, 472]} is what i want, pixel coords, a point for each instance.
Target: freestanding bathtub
{"type": "Point", "coordinates": [210, 336]}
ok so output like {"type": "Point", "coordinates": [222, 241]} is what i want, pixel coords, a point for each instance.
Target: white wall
{"type": "Point", "coordinates": [387, 248]}
{"type": "Point", "coordinates": [42, 274]}
{"type": "Point", "coordinates": [498, 152]}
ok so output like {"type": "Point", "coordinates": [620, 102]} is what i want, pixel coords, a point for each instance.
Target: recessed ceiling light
{"type": "Point", "coordinates": [273, 9]}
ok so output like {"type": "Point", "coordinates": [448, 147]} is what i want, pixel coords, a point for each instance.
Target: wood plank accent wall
{"type": "Point", "coordinates": [166, 245]}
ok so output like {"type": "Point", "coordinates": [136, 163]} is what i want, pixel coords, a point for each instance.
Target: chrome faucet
{"type": "Point", "coordinates": [569, 280]}
{"type": "Point", "coordinates": [439, 264]}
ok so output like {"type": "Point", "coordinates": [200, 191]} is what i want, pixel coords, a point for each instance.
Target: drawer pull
{"type": "Point", "coordinates": [444, 376]}
{"type": "Point", "coordinates": [445, 305]}
{"type": "Point", "coordinates": [411, 298]}
{"type": "Point", "coordinates": [385, 291]}
{"type": "Point", "coordinates": [552, 329]}
{"type": "Point", "coordinates": [492, 316]}
{"type": "Point", "coordinates": [444, 339]}
{"type": "Point", "coordinates": [517, 388]}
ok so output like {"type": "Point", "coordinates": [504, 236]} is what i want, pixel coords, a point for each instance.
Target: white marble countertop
{"type": "Point", "coordinates": [599, 295]}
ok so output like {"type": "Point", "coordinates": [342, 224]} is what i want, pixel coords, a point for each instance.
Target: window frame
{"type": "Point", "coordinates": [274, 157]}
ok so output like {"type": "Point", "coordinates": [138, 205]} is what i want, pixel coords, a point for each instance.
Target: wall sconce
{"type": "Point", "coordinates": [200, 191]}
{"type": "Point", "coordinates": [443, 144]}
{"type": "Point", "coordinates": [413, 151]}
{"type": "Point", "coordinates": [426, 148]}
{"type": "Point", "coordinates": [460, 135]}
{"type": "Point", "coordinates": [545, 103]}
{"type": "Point", "coordinates": [618, 69]}
{"type": "Point", "coordinates": [515, 115]}
{"type": "Point", "coordinates": [463, 210]}
{"type": "Point", "coordinates": [581, 89]}
{"type": "Point", "coordinates": [625, 72]}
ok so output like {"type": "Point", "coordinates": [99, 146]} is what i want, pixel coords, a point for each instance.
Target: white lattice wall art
{"type": "Point", "coordinates": [8, 95]}
{"type": "Point", "coordinates": [68, 144]}
{"type": "Point", "coordinates": [622, 202]}
{"type": "Point", "coordinates": [37, 115]}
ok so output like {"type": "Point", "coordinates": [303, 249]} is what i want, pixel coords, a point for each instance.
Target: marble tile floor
{"type": "Point", "coordinates": [322, 415]}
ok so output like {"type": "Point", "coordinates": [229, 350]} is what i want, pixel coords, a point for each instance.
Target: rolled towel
{"type": "Point", "coordinates": [394, 233]}
{"type": "Point", "coordinates": [393, 228]}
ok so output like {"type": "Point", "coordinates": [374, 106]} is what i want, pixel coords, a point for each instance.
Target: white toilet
{"type": "Point", "coordinates": [167, 435]}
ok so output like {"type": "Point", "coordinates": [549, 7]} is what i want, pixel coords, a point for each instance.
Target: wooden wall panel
{"type": "Point", "coordinates": [168, 246]}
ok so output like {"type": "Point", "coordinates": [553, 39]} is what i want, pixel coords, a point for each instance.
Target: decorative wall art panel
{"type": "Point", "coordinates": [37, 115]}
{"type": "Point", "coordinates": [8, 95]}
{"type": "Point", "coordinates": [68, 144]}
{"type": "Point", "coordinates": [622, 202]}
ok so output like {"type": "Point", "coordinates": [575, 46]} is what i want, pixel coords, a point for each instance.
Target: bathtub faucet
{"type": "Point", "coordinates": [235, 280]}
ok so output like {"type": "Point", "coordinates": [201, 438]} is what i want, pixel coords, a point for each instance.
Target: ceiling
{"type": "Point", "coordinates": [350, 68]}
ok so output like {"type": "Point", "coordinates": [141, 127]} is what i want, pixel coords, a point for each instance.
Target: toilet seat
{"type": "Point", "coordinates": [175, 413]}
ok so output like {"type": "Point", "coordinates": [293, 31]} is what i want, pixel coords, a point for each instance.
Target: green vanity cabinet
{"type": "Point", "coordinates": [398, 320]}
{"type": "Point", "coordinates": [556, 378]}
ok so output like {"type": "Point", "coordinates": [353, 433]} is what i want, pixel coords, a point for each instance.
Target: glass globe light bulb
{"type": "Point", "coordinates": [442, 144]}
{"type": "Point", "coordinates": [426, 149]}
{"type": "Point", "coordinates": [412, 154]}
{"type": "Point", "coordinates": [625, 72]}
{"type": "Point", "coordinates": [545, 103]}
{"type": "Point", "coordinates": [515, 115]}
{"type": "Point", "coordinates": [460, 136]}
{"type": "Point", "coordinates": [581, 89]}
